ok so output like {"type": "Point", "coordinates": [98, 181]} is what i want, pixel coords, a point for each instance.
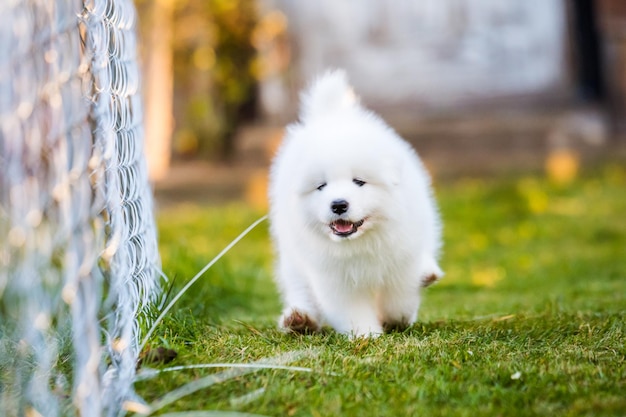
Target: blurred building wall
{"type": "Point", "coordinates": [430, 55]}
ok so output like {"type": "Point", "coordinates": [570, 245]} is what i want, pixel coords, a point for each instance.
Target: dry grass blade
{"type": "Point", "coordinates": [210, 414]}
{"type": "Point", "coordinates": [247, 398]}
{"type": "Point", "coordinates": [220, 377]}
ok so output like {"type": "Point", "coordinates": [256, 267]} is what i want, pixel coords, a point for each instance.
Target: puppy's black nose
{"type": "Point", "coordinates": [339, 206]}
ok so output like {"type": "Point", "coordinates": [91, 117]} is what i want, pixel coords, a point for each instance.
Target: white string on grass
{"type": "Point", "coordinates": [196, 277]}
{"type": "Point", "coordinates": [149, 373]}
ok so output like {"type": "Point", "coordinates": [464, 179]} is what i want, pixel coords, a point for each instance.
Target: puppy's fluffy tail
{"type": "Point", "coordinates": [328, 93]}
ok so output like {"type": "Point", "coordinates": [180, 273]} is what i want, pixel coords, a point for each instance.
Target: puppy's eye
{"type": "Point", "coordinates": [358, 182]}
{"type": "Point", "coordinates": [321, 186]}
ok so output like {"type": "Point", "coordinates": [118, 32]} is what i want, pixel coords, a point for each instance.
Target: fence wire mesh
{"type": "Point", "coordinates": [78, 250]}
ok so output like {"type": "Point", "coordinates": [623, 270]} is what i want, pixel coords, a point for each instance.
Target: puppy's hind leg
{"type": "Point", "coordinates": [430, 271]}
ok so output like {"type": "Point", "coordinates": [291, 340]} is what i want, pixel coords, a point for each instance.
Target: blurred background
{"type": "Point", "coordinates": [480, 87]}
{"type": "Point", "coordinates": [518, 109]}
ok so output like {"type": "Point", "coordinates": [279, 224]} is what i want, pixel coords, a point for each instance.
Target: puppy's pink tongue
{"type": "Point", "coordinates": [343, 226]}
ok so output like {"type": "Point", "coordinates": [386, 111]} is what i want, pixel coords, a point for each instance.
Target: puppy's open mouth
{"type": "Point", "coordinates": [345, 228]}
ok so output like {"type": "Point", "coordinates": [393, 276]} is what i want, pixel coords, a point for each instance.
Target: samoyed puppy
{"type": "Point", "coordinates": [353, 220]}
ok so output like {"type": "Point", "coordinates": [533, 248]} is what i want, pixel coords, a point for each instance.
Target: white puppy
{"type": "Point", "coordinates": [354, 223]}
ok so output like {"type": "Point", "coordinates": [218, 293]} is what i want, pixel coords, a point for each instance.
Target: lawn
{"type": "Point", "coordinates": [529, 319]}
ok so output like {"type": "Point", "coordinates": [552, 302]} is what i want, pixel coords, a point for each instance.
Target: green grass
{"type": "Point", "coordinates": [529, 320]}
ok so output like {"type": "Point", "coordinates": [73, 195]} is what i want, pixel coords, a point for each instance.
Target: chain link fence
{"type": "Point", "coordinates": [78, 251]}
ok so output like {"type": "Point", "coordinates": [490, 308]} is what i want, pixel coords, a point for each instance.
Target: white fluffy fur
{"type": "Point", "coordinates": [360, 282]}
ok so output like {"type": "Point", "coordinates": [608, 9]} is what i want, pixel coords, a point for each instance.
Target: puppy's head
{"type": "Point", "coordinates": [348, 182]}
{"type": "Point", "coordinates": [341, 165]}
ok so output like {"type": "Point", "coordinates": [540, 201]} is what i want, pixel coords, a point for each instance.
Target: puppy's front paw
{"type": "Point", "coordinates": [364, 336]}
{"type": "Point", "coordinates": [294, 321]}
{"type": "Point", "coordinates": [365, 331]}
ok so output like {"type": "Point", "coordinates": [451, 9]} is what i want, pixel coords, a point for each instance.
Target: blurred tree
{"type": "Point", "coordinates": [236, 85]}
{"type": "Point", "coordinates": [158, 85]}
{"type": "Point", "coordinates": [213, 59]}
